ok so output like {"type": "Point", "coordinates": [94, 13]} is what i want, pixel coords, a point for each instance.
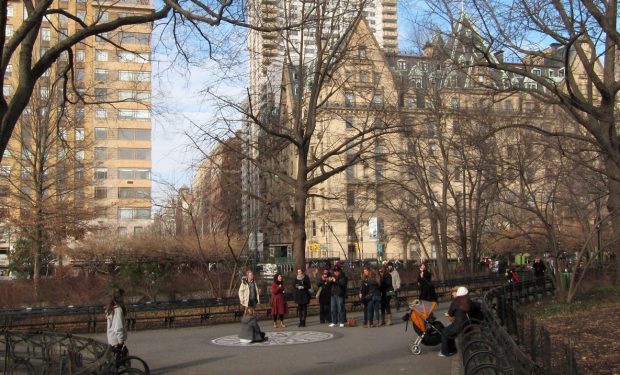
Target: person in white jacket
{"type": "Point", "coordinates": [115, 315]}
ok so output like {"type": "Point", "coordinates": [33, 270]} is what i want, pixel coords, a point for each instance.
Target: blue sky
{"type": "Point", "coordinates": [178, 100]}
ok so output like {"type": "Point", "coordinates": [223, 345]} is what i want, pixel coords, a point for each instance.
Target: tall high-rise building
{"type": "Point", "coordinates": [107, 130]}
{"type": "Point", "coordinates": [301, 31]}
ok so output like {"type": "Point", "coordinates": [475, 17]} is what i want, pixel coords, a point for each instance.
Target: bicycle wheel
{"type": "Point", "coordinates": [133, 363]}
{"type": "Point", "coordinates": [130, 371]}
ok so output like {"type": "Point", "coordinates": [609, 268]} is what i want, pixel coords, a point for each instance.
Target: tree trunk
{"type": "Point", "coordinates": [613, 206]}
{"type": "Point", "coordinates": [299, 228]}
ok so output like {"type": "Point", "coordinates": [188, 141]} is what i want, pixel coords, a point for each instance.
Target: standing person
{"type": "Point", "coordinates": [427, 290]}
{"type": "Point", "coordinates": [324, 295]}
{"type": "Point", "coordinates": [278, 302]}
{"type": "Point", "coordinates": [338, 283]}
{"type": "Point", "coordinates": [365, 297]}
{"type": "Point", "coordinates": [302, 295]}
{"type": "Point", "coordinates": [248, 291]}
{"type": "Point", "coordinates": [395, 282]}
{"type": "Point", "coordinates": [374, 297]}
{"type": "Point", "coordinates": [115, 313]}
{"type": "Point", "coordinates": [387, 292]}
{"type": "Point", "coordinates": [539, 271]}
{"type": "Point", "coordinates": [250, 331]}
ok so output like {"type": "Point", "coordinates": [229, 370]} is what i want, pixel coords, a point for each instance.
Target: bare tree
{"type": "Point", "coordinates": [49, 176]}
{"type": "Point", "coordinates": [585, 81]}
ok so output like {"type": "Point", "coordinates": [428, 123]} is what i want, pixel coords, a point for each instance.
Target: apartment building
{"type": "Point", "coordinates": [106, 128]}
{"type": "Point", "coordinates": [419, 151]}
{"type": "Point", "coordinates": [301, 32]}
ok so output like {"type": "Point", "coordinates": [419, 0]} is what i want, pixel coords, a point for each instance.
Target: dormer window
{"type": "Point", "coordinates": [536, 72]}
{"type": "Point", "coordinates": [362, 53]}
{"type": "Point", "coordinates": [401, 65]}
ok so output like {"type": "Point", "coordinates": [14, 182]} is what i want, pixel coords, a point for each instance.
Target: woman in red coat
{"type": "Point", "coordinates": [278, 302]}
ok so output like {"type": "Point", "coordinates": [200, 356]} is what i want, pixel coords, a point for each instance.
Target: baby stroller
{"type": "Point", "coordinates": [424, 324]}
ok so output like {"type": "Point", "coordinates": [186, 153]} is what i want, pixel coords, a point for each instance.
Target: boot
{"type": "Point", "coordinates": [377, 324]}
{"type": "Point", "coordinates": [282, 325]}
{"type": "Point", "coordinates": [388, 321]}
{"type": "Point", "coordinates": [275, 325]}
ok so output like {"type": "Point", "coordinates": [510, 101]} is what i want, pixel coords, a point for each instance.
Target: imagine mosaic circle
{"type": "Point", "coordinates": [278, 338]}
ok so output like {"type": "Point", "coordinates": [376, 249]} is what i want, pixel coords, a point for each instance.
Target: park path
{"type": "Point", "coordinates": [358, 350]}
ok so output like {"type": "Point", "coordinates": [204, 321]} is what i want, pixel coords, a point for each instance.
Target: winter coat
{"type": "Point", "coordinates": [302, 294]}
{"type": "Point", "coordinates": [339, 287]}
{"type": "Point", "coordinates": [116, 330]}
{"type": "Point", "coordinates": [374, 288]}
{"type": "Point", "coordinates": [326, 292]}
{"type": "Point", "coordinates": [244, 293]}
{"type": "Point", "coordinates": [427, 290]}
{"type": "Point", "coordinates": [250, 329]}
{"type": "Point", "coordinates": [386, 284]}
{"type": "Point", "coordinates": [278, 302]}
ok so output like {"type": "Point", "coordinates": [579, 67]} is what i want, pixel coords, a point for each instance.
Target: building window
{"type": "Point", "coordinates": [361, 52]}
{"type": "Point", "coordinates": [101, 55]}
{"type": "Point", "coordinates": [134, 95]}
{"type": "Point", "coordinates": [135, 38]}
{"type": "Point", "coordinates": [133, 76]}
{"type": "Point", "coordinates": [351, 230]}
{"type": "Point", "coordinates": [8, 31]}
{"type": "Point", "coordinates": [101, 173]}
{"type": "Point", "coordinates": [137, 230]}
{"type": "Point", "coordinates": [134, 174]}
{"type": "Point", "coordinates": [101, 94]}
{"type": "Point", "coordinates": [134, 114]}
{"type": "Point", "coordinates": [100, 153]}
{"type": "Point", "coordinates": [132, 57]}
{"type": "Point", "coordinates": [101, 113]}
{"type": "Point", "coordinates": [79, 134]}
{"type": "Point", "coordinates": [80, 55]}
{"type": "Point", "coordinates": [122, 231]}
{"type": "Point", "coordinates": [7, 90]}
{"type": "Point", "coordinates": [350, 172]}
{"type": "Point", "coordinates": [79, 74]}
{"type": "Point", "coordinates": [363, 77]}
{"type": "Point", "coordinates": [134, 213]}
{"type": "Point", "coordinates": [79, 154]}
{"type": "Point", "coordinates": [377, 100]}
{"type": "Point", "coordinates": [350, 198]}
{"type": "Point", "coordinates": [101, 193]}
{"type": "Point", "coordinates": [5, 170]}
{"type": "Point", "coordinates": [313, 228]}
{"type": "Point", "coordinates": [46, 34]}
{"type": "Point", "coordinates": [79, 114]}
{"type": "Point", "coordinates": [9, 11]}
{"type": "Point", "coordinates": [134, 153]}
{"type": "Point", "coordinates": [348, 122]}
{"type": "Point", "coordinates": [101, 75]}
{"type": "Point", "coordinates": [81, 14]}
{"type": "Point", "coordinates": [401, 65]}
{"type": "Point", "coordinates": [537, 72]}
{"type": "Point", "coordinates": [348, 99]}
{"type": "Point", "coordinates": [79, 174]}
{"type": "Point", "coordinates": [378, 122]}
{"type": "Point", "coordinates": [101, 133]}
{"type": "Point", "coordinates": [455, 103]}
{"type": "Point", "coordinates": [134, 134]}
{"type": "Point", "coordinates": [135, 193]}
{"type": "Point", "coordinates": [378, 171]}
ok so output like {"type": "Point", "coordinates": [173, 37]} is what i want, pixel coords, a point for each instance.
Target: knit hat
{"type": "Point", "coordinates": [462, 291]}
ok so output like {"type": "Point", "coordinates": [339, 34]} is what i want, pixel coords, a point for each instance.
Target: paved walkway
{"type": "Point", "coordinates": [358, 350]}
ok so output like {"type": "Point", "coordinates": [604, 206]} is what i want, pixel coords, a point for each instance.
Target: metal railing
{"type": "Point", "coordinates": [49, 353]}
{"type": "Point", "coordinates": [520, 346]}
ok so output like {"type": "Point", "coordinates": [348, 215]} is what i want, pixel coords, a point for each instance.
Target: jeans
{"type": "Point", "coordinates": [338, 310]}
{"type": "Point", "coordinates": [372, 309]}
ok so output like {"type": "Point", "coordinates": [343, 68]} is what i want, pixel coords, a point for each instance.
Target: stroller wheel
{"type": "Point", "coordinates": [415, 349]}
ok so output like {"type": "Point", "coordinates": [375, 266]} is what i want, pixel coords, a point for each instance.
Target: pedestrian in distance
{"type": "Point", "coordinates": [387, 292]}
{"type": "Point", "coordinates": [373, 297]}
{"type": "Point", "coordinates": [302, 295]}
{"type": "Point", "coordinates": [248, 291]}
{"type": "Point", "coordinates": [324, 295]}
{"type": "Point", "coordinates": [250, 330]}
{"type": "Point", "coordinates": [427, 290]}
{"type": "Point", "coordinates": [338, 283]}
{"type": "Point", "coordinates": [115, 313]}
{"type": "Point", "coordinates": [539, 271]}
{"type": "Point", "coordinates": [278, 301]}
{"type": "Point", "coordinates": [365, 297]}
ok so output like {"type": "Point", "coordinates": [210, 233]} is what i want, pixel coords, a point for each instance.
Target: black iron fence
{"type": "Point", "coordinates": [54, 353]}
{"type": "Point", "coordinates": [199, 311]}
{"type": "Point", "coordinates": [507, 342]}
